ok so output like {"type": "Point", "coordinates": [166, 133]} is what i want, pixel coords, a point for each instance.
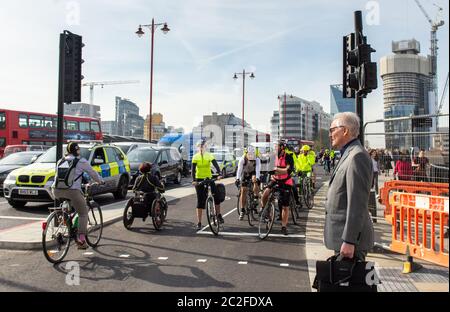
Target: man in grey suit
{"type": "Point", "coordinates": [348, 224]}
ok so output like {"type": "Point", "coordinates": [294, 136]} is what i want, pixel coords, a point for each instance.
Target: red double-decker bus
{"type": "Point", "coordinates": [29, 128]}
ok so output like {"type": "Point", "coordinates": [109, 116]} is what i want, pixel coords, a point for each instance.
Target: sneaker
{"type": "Point", "coordinates": [199, 226]}
{"type": "Point", "coordinates": [284, 230]}
{"type": "Point", "coordinates": [220, 219]}
{"type": "Point", "coordinates": [241, 217]}
{"type": "Point", "coordinates": [82, 244]}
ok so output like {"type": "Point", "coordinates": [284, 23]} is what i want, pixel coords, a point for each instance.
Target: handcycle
{"type": "Point", "coordinates": [61, 227]}
{"type": "Point", "coordinates": [136, 207]}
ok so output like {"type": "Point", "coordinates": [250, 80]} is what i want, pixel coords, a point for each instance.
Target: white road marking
{"type": "Point", "coordinates": [207, 226]}
{"type": "Point", "coordinates": [14, 265]}
{"type": "Point", "coordinates": [88, 253]}
{"type": "Point", "coordinates": [242, 262]}
{"type": "Point", "coordinates": [253, 234]}
{"type": "Point", "coordinates": [284, 264]}
{"type": "Point", "coordinates": [163, 258]}
{"type": "Point", "coordinates": [124, 256]}
{"type": "Point", "coordinates": [22, 218]}
{"type": "Point", "coordinates": [201, 260]}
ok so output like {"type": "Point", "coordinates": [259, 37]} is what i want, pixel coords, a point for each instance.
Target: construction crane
{"type": "Point", "coordinates": [91, 85]}
{"type": "Point", "coordinates": [434, 47]}
{"type": "Point", "coordinates": [443, 96]}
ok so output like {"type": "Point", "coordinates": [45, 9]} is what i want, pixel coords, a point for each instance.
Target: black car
{"type": "Point", "coordinates": [128, 147]}
{"type": "Point", "coordinates": [14, 161]}
{"type": "Point", "coordinates": [167, 162]}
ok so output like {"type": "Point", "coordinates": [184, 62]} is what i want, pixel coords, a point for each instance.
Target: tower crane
{"type": "Point", "coordinates": [91, 85]}
{"type": "Point", "coordinates": [434, 47]}
{"type": "Point", "coordinates": [443, 96]}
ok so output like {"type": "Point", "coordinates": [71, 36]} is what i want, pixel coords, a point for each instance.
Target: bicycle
{"type": "Point", "coordinates": [61, 227]}
{"type": "Point", "coordinates": [306, 189]}
{"type": "Point", "coordinates": [158, 210]}
{"type": "Point", "coordinates": [211, 213]}
{"type": "Point", "coordinates": [251, 204]}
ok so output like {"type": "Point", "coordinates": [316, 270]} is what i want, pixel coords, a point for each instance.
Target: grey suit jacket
{"type": "Point", "coordinates": [347, 215]}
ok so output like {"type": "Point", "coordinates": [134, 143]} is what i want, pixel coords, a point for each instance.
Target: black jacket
{"type": "Point", "coordinates": [147, 183]}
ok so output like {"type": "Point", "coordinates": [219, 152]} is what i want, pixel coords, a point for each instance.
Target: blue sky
{"type": "Point", "coordinates": [292, 46]}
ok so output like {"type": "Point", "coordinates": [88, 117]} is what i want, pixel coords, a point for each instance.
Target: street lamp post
{"type": "Point", "coordinates": [140, 33]}
{"type": "Point", "coordinates": [252, 76]}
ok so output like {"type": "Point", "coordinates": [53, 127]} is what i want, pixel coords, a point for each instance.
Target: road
{"type": "Point", "coordinates": [178, 258]}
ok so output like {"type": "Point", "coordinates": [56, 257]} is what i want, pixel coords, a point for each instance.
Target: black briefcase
{"type": "Point", "coordinates": [345, 275]}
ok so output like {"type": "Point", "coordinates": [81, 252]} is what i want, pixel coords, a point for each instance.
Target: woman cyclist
{"type": "Point", "coordinates": [201, 170]}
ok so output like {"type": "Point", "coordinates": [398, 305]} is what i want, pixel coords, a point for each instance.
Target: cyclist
{"type": "Point", "coordinates": [332, 158]}
{"type": "Point", "coordinates": [249, 172]}
{"type": "Point", "coordinates": [284, 166]}
{"type": "Point", "coordinates": [74, 193]}
{"type": "Point", "coordinates": [147, 182]}
{"type": "Point", "coordinates": [306, 161]}
{"type": "Point", "coordinates": [201, 170]}
{"type": "Point", "coordinates": [326, 160]}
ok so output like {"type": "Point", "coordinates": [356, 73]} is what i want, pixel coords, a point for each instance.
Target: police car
{"type": "Point", "coordinates": [227, 162]}
{"type": "Point", "coordinates": [33, 183]}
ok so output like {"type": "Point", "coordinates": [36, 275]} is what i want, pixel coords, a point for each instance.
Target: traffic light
{"type": "Point", "coordinates": [360, 73]}
{"type": "Point", "coordinates": [72, 67]}
{"type": "Point", "coordinates": [350, 62]}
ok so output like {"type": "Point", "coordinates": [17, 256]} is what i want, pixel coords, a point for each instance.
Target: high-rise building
{"type": "Point", "coordinates": [407, 91]}
{"type": "Point", "coordinates": [82, 110]}
{"type": "Point", "coordinates": [337, 102]}
{"type": "Point", "coordinates": [275, 126]}
{"type": "Point", "coordinates": [109, 127]}
{"type": "Point", "coordinates": [158, 126]}
{"type": "Point", "coordinates": [128, 120]}
{"type": "Point", "coordinates": [299, 118]}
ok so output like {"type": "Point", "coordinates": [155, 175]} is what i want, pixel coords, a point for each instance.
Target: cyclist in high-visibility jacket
{"type": "Point", "coordinates": [333, 158]}
{"type": "Point", "coordinates": [306, 160]}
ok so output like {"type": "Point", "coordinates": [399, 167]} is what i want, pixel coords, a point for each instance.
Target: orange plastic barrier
{"type": "Point", "coordinates": [429, 188]}
{"type": "Point", "coordinates": [415, 219]}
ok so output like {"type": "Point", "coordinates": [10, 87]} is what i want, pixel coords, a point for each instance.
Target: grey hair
{"type": "Point", "coordinates": [350, 121]}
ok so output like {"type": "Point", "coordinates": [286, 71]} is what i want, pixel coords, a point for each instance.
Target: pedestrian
{"type": "Point", "coordinates": [403, 169]}
{"type": "Point", "coordinates": [420, 165]}
{"type": "Point", "coordinates": [387, 163]}
{"type": "Point", "coordinates": [375, 165]}
{"type": "Point", "coordinates": [348, 224]}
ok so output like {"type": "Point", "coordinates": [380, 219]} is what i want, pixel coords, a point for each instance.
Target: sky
{"type": "Point", "coordinates": [292, 46]}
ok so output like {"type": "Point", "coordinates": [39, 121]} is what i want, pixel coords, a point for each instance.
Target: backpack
{"type": "Point", "coordinates": [65, 173]}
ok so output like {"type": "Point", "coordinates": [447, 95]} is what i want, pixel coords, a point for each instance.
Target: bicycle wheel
{"type": "Point", "coordinates": [307, 194]}
{"type": "Point", "coordinates": [56, 237]}
{"type": "Point", "coordinates": [157, 215]}
{"type": "Point", "coordinates": [266, 220]}
{"type": "Point", "coordinates": [293, 209]}
{"type": "Point", "coordinates": [128, 214]}
{"type": "Point", "coordinates": [249, 210]}
{"type": "Point", "coordinates": [95, 224]}
{"type": "Point", "coordinates": [211, 216]}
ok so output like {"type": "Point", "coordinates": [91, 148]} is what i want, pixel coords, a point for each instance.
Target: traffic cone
{"type": "Point", "coordinates": [409, 265]}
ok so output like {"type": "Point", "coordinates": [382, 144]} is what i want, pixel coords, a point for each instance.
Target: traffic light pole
{"type": "Point", "coordinates": [60, 120]}
{"type": "Point", "coordinates": [359, 95]}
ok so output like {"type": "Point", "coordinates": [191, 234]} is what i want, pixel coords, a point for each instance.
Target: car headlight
{"type": "Point", "coordinates": [51, 179]}
{"type": "Point", "coordinates": [11, 178]}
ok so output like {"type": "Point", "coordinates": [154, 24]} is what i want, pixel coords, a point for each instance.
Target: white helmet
{"type": "Point", "coordinates": [251, 153]}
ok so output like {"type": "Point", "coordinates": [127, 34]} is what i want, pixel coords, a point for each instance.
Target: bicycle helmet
{"type": "Point", "coordinates": [306, 148]}
{"type": "Point", "coordinates": [251, 153]}
{"type": "Point", "coordinates": [281, 143]}
{"type": "Point", "coordinates": [201, 143]}
{"type": "Point", "coordinates": [72, 148]}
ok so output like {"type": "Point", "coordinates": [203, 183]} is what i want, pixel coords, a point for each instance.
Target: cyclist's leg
{"type": "Point", "coordinates": [201, 199]}
{"type": "Point", "coordinates": [266, 194]}
{"type": "Point", "coordinates": [78, 202]}
{"type": "Point", "coordinates": [284, 200]}
{"type": "Point", "coordinates": [243, 197]}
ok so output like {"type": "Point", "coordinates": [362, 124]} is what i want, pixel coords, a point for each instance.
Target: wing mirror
{"type": "Point", "coordinates": [98, 161]}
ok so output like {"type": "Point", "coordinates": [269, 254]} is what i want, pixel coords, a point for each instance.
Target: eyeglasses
{"type": "Point", "coordinates": [331, 130]}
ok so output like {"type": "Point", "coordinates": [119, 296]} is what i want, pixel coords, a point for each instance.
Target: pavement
{"type": "Point", "coordinates": [181, 259]}
{"type": "Point", "coordinates": [388, 265]}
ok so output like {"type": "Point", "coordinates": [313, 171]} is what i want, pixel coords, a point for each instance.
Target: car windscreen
{"type": "Point", "coordinates": [218, 157]}
{"type": "Point", "coordinates": [18, 159]}
{"type": "Point", "coordinates": [124, 147]}
{"type": "Point", "coordinates": [141, 155]}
